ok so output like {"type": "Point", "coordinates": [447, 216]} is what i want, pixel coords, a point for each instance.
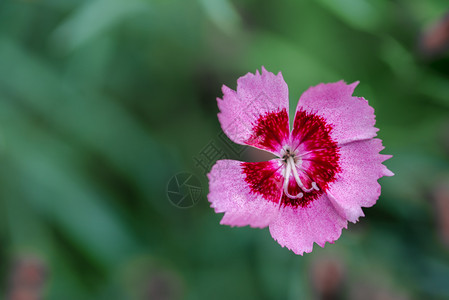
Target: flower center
{"type": "Point", "coordinates": [291, 161]}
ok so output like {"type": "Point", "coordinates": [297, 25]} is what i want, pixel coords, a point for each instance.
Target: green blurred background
{"type": "Point", "coordinates": [102, 102]}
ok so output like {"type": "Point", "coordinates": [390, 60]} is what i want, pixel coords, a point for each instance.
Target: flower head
{"type": "Point", "coordinates": [326, 168]}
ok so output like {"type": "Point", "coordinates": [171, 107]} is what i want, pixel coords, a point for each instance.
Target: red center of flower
{"type": "Point", "coordinates": [308, 163]}
{"type": "Point", "coordinates": [270, 131]}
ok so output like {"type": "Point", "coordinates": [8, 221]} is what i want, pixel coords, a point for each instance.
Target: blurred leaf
{"type": "Point", "coordinates": [27, 229]}
{"type": "Point", "coordinates": [127, 145]}
{"type": "Point", "coordinates": [426, 11]}
{"type": "Point", "coordinates": [361, 14]}
{"type": "Point", "coordinates": [51, 181]}
{"type": "Point", "coordinates": [399, 59]}
{"type": "Point", "coordinates": [434, 276]}
{"type": "Point", "coordinates": [223, 14]}
{"type": "Point", "coordinates": [92, 19]}
{"type": "Point", "coordinates": [436, 88]}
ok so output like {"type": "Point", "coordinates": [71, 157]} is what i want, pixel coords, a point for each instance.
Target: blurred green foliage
{"type": "Point", "coordinates": [103, 101]}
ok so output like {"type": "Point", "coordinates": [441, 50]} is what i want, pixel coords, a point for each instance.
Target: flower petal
{"type": "Point", "coordinates": [297, 228]}
{"type": "Point", "coordinates": [351, 118]}
{"type": "Point", "coordinates": [356, 184]}
{"type": "Point", "coordinates": [257, 113]}
{"type": "Point", "coordinates": [248, 193]}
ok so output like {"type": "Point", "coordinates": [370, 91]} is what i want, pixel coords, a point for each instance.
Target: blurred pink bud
{"type": "Point", "coordinates": [27, 279]}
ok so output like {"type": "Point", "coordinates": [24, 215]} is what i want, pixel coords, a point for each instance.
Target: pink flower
{"type": "Point", "coordinates": [327, 166]}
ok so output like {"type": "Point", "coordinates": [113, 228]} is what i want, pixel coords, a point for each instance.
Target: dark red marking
{"type": "Point", "coordinates": [263, 179]}
{"type": "Point", "coordinates": [313, 133]}
{"type": "Point", "coordinates": [270, 131]}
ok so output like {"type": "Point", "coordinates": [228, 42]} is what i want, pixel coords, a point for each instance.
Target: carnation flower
{"type": "Point", "coordinates": [326, 168]}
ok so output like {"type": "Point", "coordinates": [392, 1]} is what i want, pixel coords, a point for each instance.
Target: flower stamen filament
{"type": "Point", "coordinates": [290, 168]}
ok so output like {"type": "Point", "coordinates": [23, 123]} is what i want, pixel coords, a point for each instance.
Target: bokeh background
{"type": "Point", "coordinates": [102, 102]}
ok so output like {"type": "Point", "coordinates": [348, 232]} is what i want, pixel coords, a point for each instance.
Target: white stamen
{"type": "Point", "coordinates": [295, 174]}
{"type": "Point", "coordinates": [314, 185]}
{"type": "Point", "coordinates": [288, 170]}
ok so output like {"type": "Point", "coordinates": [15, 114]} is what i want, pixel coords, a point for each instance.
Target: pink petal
{"type": "Point", "coordinates": [257, 113]}
{"type": "Point", "coordinates": [356, 185]}
{"type": "Point", "coordinates": [248, 193]}
{"type": "Point", "coordinates": [297, 228]}
{"type": "Point", "coordinates": [351, 118]}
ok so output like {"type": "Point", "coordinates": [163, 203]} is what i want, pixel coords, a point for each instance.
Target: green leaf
{"type": "Point", "coordinates": [94, 18]}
